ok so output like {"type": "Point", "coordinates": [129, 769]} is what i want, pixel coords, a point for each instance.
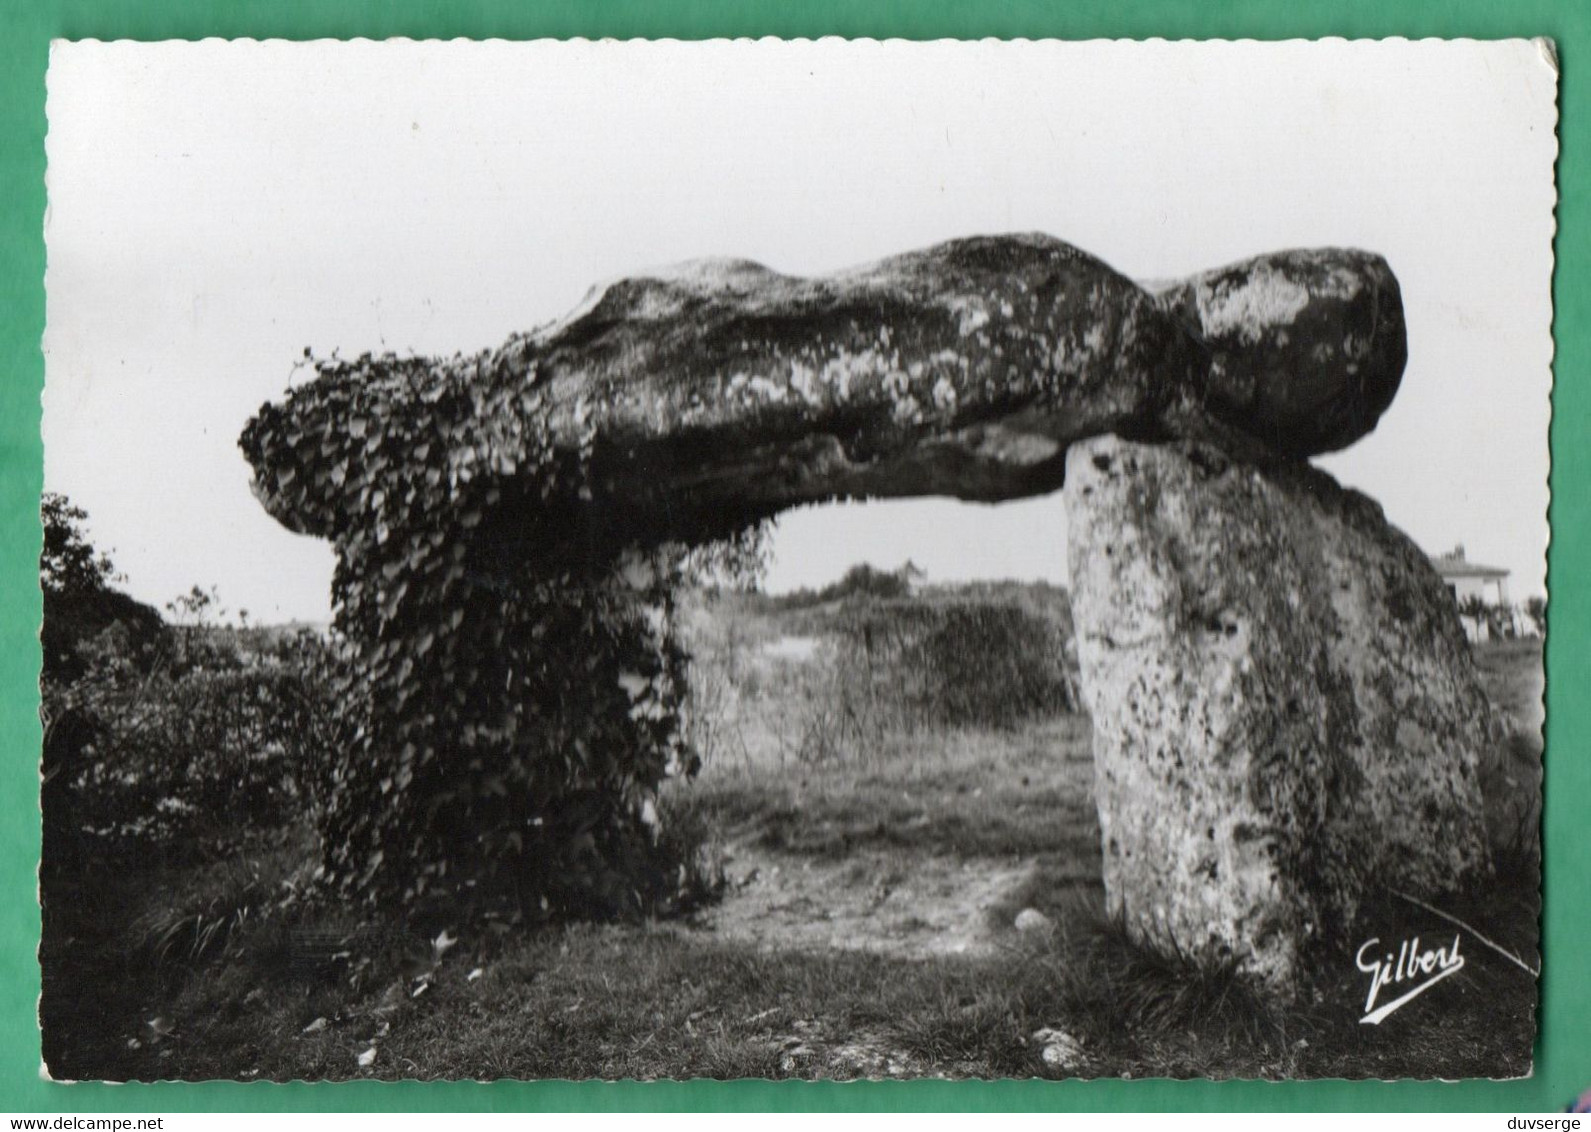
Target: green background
{"type": "Point", "coordinates": [1563, 1058]}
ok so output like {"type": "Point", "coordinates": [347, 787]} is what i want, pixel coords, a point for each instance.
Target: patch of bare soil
{"type": "Point", "coordinates": [909, 907]}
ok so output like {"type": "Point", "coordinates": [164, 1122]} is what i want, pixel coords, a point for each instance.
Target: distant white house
{"type": "Point", "coordinates": [1471, 581]}
{"type": "Point", "coordinates": [1468, 579]}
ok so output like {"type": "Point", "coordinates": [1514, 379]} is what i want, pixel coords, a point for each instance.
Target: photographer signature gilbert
{"type": "Point", "coordinates": [1421, 969]}
{"type": "Point", "coordinates": [1429, 967]}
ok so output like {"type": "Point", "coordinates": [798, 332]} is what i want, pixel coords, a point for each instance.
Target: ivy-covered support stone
{"type": "Point", "coordinates": [1285, 711]}
{"type": "Point", "coordinates": [514, 701]}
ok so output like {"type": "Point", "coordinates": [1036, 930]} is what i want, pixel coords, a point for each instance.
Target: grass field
{"type": "Point", "coordinates": [874, 868]}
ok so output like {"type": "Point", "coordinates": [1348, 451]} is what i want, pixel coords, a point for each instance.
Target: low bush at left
{"type": "Point", "coordinates": [181, 780]}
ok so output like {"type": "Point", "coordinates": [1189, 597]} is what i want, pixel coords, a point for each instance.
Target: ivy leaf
{"type": "Point", "coordinates": [634, 684]}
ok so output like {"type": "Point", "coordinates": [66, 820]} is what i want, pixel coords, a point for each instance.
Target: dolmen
{"type": "Point", "coordinates": [1285, 711]}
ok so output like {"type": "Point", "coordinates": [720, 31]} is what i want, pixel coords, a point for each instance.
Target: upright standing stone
{"type": "Point", "coordinates": [1283, 706]}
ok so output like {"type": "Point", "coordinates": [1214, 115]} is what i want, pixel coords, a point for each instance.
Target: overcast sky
{"type": "Point", "coordinates": [215, 208]}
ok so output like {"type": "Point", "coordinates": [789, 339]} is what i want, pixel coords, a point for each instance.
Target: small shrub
{"type": "Point", "coordinates": [864, 580]}
{"type": "Point", "coordinates": [1510, 784]}
{"type": "Point", "coordinates": [981, 655]}
{"type": "Point", "coordinates": [899, 665]}
{"type": "Point", "coordinates": [156, 734]}
{"type": "Point", "coordinates": [173, 750]}
{"type": "Point", "coordinates": [208, 912]}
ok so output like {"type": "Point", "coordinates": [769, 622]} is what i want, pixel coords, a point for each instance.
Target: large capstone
{"type": "Point", "coordinates": [1285, 710]}
{"type": "Point", "coordinates": [693, 401]}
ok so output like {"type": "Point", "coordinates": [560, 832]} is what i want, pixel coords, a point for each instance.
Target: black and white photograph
{"type": "Point", "coordinates": [794, 559]}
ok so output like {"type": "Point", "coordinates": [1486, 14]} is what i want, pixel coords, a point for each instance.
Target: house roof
{"type": "Point", "coordinates": [1452, 566]}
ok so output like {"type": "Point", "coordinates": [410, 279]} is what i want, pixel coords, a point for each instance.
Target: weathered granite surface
{"type": "Point", "coordinates": [1284, 707]}
{"type": "Point", "coordinates": [1306, 346]}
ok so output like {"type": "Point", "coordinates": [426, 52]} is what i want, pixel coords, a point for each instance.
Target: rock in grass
{"type": "Point", "coordinates": [1059, 1049]}
{"type": "Point", "coordinates": [1032, 920]}
{"type": "Point", "coordinates": [1285, 710]}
